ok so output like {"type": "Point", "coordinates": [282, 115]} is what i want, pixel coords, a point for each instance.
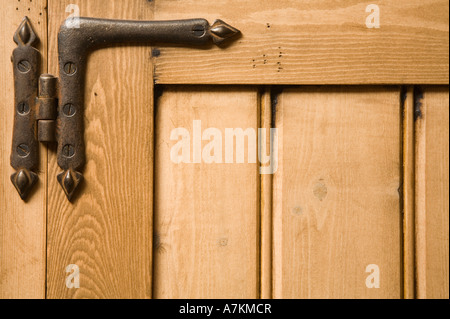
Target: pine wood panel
{"type": "Point", "coordinates": [107, 230]}
{"type": "Point", "coordinates": [22, 224]}
{"type": "Point", "coordinates": [313, 42]}
{"type": "Point", "coordinates": [432, 201]}
{"type": "Point", "coordinates": [206, 215]}
{"type": "Point", "coordinates": [336, 193]}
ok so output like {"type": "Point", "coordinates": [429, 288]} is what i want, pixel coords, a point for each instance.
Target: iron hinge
{"type": "Point", "coordinates": [50, 109]}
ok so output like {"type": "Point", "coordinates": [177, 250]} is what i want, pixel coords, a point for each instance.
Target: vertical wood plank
{"type": "Point", "coordinates": [266, 201]}
{"type": "Point", "coordinates": [107, 230]}
{"type": "Point", "coordinates": [336, 193]}
{"type": "Point", "coordinates": [432, 201]}
{"type": "Point", "coordinates": [22, 224]}
{"type": "Point", "coordinates": [206, 215]}
{"type": "Point", "coordinates": [408, 194]}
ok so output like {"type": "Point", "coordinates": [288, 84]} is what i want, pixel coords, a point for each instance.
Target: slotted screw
{"type": "Point", "coordinates": [68, 150]}
{"type": "Point", "coordinates": [70, 68]}
{"type": "Point", "coordinates": [23, 150]}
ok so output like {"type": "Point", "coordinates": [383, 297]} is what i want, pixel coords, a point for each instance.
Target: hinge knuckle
{"type": "Point", "coordinates": [48, 86]}
{"type": "Point", "coordinates": [46, 112]}
{"type": "Point", "coordinates": [46, 130]}
{"type": "Point", "coordinates": [46, 108]}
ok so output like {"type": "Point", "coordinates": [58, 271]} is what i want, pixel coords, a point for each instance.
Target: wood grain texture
{"type": "Point", "coordinates": [313, 42]}
{"type": "Point", "coordinates": [336, 192]}
{"type": "Point", "coordinates": [22, 224]}
{"type": "Point", "coordinates": [107, 230]}
{"type": "Point", "coordinates": [408, 194]}
{"type": "Point", "coordinates": [432, 201]}
{"type": "Point", "coordinates": [206, 215]}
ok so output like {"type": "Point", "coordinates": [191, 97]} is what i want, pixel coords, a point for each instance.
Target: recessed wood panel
{"type": "Point", "coordinates": [206, 214]}
{"type": "Point", "coordinates": [336, 193]}
{"type": "Point", "coordinates": [432, 201]}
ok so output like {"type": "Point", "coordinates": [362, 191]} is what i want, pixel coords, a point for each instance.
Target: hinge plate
{"type": "Point", "coordinates": [25, 145]}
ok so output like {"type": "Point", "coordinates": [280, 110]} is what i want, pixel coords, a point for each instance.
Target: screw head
{"type": "Point", "coordinates": [23, 108]}
{"type": "Point", "coordinates": [68, 150]}
{"type": "Point", "coordinates": [198, 30]}
{"type": "Point", "coordinates": [69, 109]}
{"type": "Point", "coordinates": [70, 68]}
{"type": "Point", "coordinates": [24, 66]}
{"type": "Point", "coordinates": [23, 150]}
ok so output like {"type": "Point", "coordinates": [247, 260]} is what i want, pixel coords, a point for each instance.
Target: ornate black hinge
{"type": "Point", "coordinates": [44, 115]}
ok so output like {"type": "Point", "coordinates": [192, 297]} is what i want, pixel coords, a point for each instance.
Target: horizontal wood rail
{"type": "Point", "coordinates": [313, 42]}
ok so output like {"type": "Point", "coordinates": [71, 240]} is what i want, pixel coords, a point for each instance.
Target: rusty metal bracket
{"type": "Point", "coordinates": [37, 117]}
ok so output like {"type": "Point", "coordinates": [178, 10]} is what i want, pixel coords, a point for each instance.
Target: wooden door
{"type": "Point", "coordinates": [355, 204]}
